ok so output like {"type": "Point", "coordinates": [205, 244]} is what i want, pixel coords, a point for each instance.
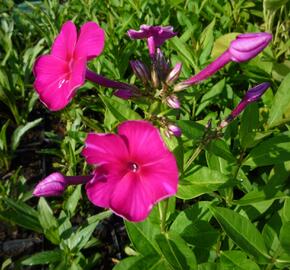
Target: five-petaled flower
{"type": "Point", "coordinates": [60, 73]}
{"type": "Point", "coordinates": [155, 35]}
{"type": "Point", "coordinates": [134, 169]}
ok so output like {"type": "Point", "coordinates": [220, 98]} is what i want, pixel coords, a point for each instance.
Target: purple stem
{"type": "Point", "coordinates": [212, 68]}
{"type": "Point", "coordinates": [77, 180]}
{"type": "Point", "coordinates": [103, 81]}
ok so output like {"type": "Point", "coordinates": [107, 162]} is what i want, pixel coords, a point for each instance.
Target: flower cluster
{"type": "Point", "coordinates": [133, 170]}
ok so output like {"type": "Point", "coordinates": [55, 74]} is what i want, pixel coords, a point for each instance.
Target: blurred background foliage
{"type": "Point", "coordinates": [35, 142]}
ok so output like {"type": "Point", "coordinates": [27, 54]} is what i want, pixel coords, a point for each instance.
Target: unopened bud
{"type": "Point", "coordinates": [174, 130]}
{"type": "Point", "coordinates": [52, 185]}
{"type": "Point", "coordinates": [141, 71]}
{"type": "Point", "coordinates": [173, 102]}
{"type": "Point", "coordinates": [154, 78]}
{"type": "Point", "coordinates": [162, 65]}
{"type": "Point", "coordinates": [174, 74]}
{"type": "Point", "coordinates": [56, 183]}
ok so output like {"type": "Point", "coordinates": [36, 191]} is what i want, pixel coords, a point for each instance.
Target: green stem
{"type": "Point", "coordinates": [163, 214]}
{"type": "Point", "coordinates": [194, 156]}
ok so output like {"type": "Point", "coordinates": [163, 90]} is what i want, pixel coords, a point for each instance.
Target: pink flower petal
{"type": "Point", "coordinates": [64, 44]}
{"type": "Point", "coordinates": [91, 41]}
{"type": "Point", "coordinates": [144, 141]}
{"type": "Point", "coordinates": [104, 148]}
{"type": "Point", "coordinates": [52, 81]}
{"type": "Point", "coordinates": [161, 178]}
{"type": "Point", "coordinates": [131, 199]}
{"type": "Point", "coordinates": [56, 82]}
{"type": "Point", "coordinates": [99, 190]}
{"type": "Point", "coordinates": [77, 77]}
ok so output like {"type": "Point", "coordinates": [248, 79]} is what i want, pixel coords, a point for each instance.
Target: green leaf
{"type": "Point", "coordinates": [271, 239]}
{"type": "Point", "coordinates": [80, 238]}
{"type": "Point", "coordinates": [21, 214]}
{"type": "Point", "coordinates": [48, 221]}
{"type": "Point", "coordinates": [44, 257]}
{"type": "Point", "coordinates": [191, 129]}
{"type": "Point", "coordinates": [286, 210]}
{"type": "Point", "coordinates": [280, 110]}
{"type": "Point", "coordinates": [201, 180]}
{"type": "Point", "coordinates": [198, 211]}
{"type": "Point", "coordinates": [221, 149]}
{"type": "Point", "coordinates": [272, 151]}
{"type": "Point", "coordinates": [222, 44]}
{"type": "Point", "coordinates": [72, 201]}
{"type": "Point", "coordinates": [256, 196]}
{"type": "Point", "coordinates": [3, 137]}
{"type": "Point", "coordinates": [183, 50]}
{"type": "Point", "coordinates": [208, 266]}
{"type": "Point", "coordinates": [20, 131]}
{"type": "Point", "coordinates": [249, 123]}
{"type": "Point", "coordinates": [206, 40]}
{"type": "Point", "coordinates": [284, 236]}
{"type": "Point", "coordinates": [176, 252]}
{"type": "Point", "coordinates": [216, 90]}
{"type": "Point", "coordinates": [119, 109]}
{"type": "Point", "coordinates": [141, 235]}
{"type": "Point", "coordinates": [274, 4]}
{"type": "Point", "coordinates": [150, 262]}
{"type": "Point", "coordinates": [242, 232]}
{"type": "Point", "coordinates": [237, 260]}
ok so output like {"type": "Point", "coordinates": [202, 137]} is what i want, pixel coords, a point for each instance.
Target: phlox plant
{"type": "Point", "coordinates": [194, 190]}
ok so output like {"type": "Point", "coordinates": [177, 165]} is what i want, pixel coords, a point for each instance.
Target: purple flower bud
{"type": "Point", "coordinates": [56, 183]}
{"type": "Point", "coordinates": [173, 102]}
{"type": "Point", "coordinates": [174, 74]}
{"type": "Point", "coordinates": [52, 185]}
{"type": "Point", "coordinates": [162, 65]}
{"type": "Point", "coordinates": [155, 35]}
{"type": "Point", "coordinates": [243, 48]}
{"type": "Point", "coordinates": [174, 130]}
{"type": "Point", "coordinates": [140, 70]}
{"type": "Point", "coordinates": [252, 95]}
{"type": "Point", "coordinates": [247, 46]}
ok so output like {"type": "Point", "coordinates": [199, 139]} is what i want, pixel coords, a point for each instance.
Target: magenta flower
{"type": "Point", "coordinates": [155, 35]}
{"type": "Point", "coordinates": [243, 48]}
{"type": "Point", "coordinates": [60, 73]}
{"type": "Point", "coordinates": [56, 183]}
{"type": "Point", "coordinates": [134, 171]}
{"type": "Point", "coordinates": [252, 95]}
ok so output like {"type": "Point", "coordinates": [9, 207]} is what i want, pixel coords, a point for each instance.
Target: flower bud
{"type": "Point", "coordinates": [247, 46]}
{"type": "Point", "coordinates": [173, 102]}
{"type": "Point", "coordinates": [252, 95]}
{"type": "Point", "coordinates": [141, 71]}
{"type": "Point", "coordinates": [56, 183]}
{"type": "Point", "coordinates": [174, 74]}
{"type": "Point", "coordinates": [174, 130]}
{"type": "Point", "coordinates": [53, 185]}
{"type": "Point", "coordinates": [162, 65]}
{"type": "Point", "coordinates": [243, 48]}
{"type": "Point", "coordinates": [155, 78]}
